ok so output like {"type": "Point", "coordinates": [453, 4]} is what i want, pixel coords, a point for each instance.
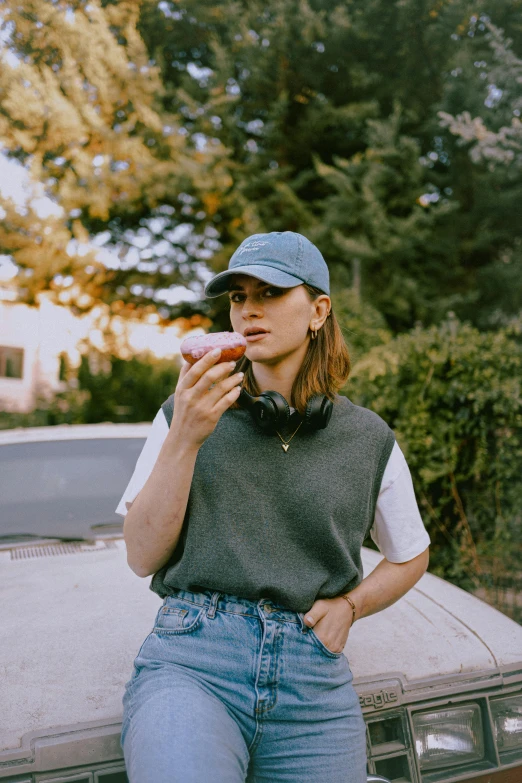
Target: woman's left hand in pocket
{"type": "Point", "coordinates": [331, 619]}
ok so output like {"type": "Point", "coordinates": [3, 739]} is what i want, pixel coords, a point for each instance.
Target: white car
{"type": "Point", "coordinates": [439, 673]}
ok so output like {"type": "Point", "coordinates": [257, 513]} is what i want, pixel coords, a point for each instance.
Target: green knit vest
{"type": "Point", "coordinates": [287, 526]}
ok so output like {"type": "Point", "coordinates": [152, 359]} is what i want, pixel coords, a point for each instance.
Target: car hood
{"type": "Point", "coordinates": [72, 624]}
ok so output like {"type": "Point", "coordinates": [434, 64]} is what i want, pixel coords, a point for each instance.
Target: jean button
{"type": "Point", "coordinates": [267, 607]}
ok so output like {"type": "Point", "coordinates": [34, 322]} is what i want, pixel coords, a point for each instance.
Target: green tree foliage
{"type": "Point", "coordinates": [373, 217]}
{"type": "Point", "coordinates": [80, 109]}
{"type": "Point", "coordinates": [493, 143]}
{"type": "Point", "coordinates": [168, 131]}
{"type": "Point", "coordinates": [362, 325]}
{"type": "Point", "coordinates": [330, 112]}
{"type": "Point", "coordinates": [453, 397]}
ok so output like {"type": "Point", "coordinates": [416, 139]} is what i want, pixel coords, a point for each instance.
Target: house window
{"type": "Point", "coordinates": [11, 362]}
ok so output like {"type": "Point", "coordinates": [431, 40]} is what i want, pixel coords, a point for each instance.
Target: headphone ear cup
{"type": "Point", "coordinates": [270, 410]}
{"type": "Point", "coordinates": [318, 412]}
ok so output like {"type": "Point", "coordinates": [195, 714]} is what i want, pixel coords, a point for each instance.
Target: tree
{"type": "Point", "coordinates": [296, 89]}
{"type": "Point", "coordinates": [79, 102]}
{"type": "Point", "coordinates": [493, 144]}
{"type": "Point", "coordinates": [239, 117]}
{"type": "Point", "coordinates": [374, 216]}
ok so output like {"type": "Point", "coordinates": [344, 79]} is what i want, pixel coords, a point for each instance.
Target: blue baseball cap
{"type": "Point", "coordinates": [283, 258]}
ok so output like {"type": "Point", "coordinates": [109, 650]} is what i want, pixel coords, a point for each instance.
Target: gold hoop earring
{"type": "Point", "coordinates": [314, 333]}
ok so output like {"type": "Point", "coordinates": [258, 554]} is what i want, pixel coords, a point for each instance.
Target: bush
{"type": "Point", "coordinates": [125, 389]}
{"type": "Point", "coordinates": [104, 388]}
{"type": "Point", "coordinates": [453, 397]}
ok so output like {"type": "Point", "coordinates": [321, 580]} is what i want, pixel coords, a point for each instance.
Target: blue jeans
{"type": "Point", "coordinates": [227, 690]}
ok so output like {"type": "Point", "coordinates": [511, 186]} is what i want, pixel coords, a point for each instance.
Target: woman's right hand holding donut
{"type": "Point", "coordinates": [197, 406]}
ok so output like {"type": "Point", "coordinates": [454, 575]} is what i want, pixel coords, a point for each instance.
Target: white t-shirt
{"type": "Point", "coordinates": [398, 530]}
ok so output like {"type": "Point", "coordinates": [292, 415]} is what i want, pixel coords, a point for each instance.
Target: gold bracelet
{"type": "Point", "coordinates": [347, 598]}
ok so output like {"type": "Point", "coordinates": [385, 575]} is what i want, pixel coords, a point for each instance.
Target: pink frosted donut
{"type": "Point", "coordinates": [233, 346]}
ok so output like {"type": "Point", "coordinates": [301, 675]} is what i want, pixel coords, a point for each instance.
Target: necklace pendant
{"type": "Point", "coordinates": [284, 446]}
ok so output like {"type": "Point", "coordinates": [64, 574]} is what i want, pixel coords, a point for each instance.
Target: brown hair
{"type": "Point", "coordinates": [324, 370]}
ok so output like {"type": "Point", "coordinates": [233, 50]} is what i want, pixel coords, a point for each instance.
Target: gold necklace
{"type": "Point", "coordinates": [286, 442]}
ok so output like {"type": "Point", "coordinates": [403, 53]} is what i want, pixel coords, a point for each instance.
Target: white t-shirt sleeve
{"type": "Point", "coordinates": [398, 530]}
{"type": "Point", "coordinates": [145, 462]}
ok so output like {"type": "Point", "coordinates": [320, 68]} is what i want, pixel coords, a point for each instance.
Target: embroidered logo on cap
{"type": "Point", "coordinates": [251, 246]}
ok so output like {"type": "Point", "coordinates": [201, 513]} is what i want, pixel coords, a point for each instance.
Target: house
{"type": "Point", "coordinates": [32, 339]}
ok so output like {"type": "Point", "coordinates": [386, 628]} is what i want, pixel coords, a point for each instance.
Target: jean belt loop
{"type": "Point", "coordinates": [213, 604]}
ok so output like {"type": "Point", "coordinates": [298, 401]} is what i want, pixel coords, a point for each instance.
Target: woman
{"type": "Point", "coordinates": [252, 527]}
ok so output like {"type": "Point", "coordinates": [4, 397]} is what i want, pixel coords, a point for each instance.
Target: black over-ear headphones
{"type": "Point", "coordinates": [271, 411]}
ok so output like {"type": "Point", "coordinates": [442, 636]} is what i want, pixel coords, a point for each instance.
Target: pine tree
{"type": "Point", "coordinates": [296, 88]}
